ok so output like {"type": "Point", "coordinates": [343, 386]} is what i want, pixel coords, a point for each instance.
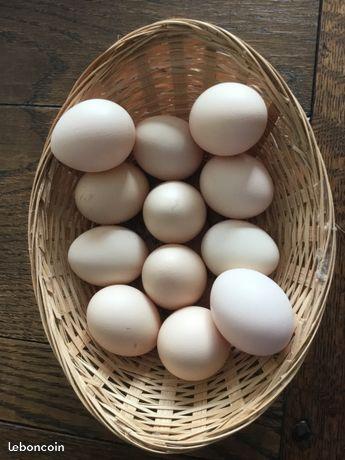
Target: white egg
{"type": "Point", "coordinates": [239, 187]}
{"type": "Point", "coordinates": [94, 135]}
{"type": "Point", "coordinates": [174, 276]}
{"type": "Point", "coordinates": [190, 346]}
{"type": "Point", "coordinates": [239, 244]}
{"type": "Point", "coordinates": [252, 312]}
{"type": "Point", "coordinates": [165, 149]}
{"type": "Point", "coordinates": [112, 197]}
{"type": "Point", "coordinates": [228, 118]}
{"type": "Point", "coordinates": [107, 255]}
{"type": "Point", "coordinates": [123, 320]}
{"type": "Point", "coordinates": [174, 212]}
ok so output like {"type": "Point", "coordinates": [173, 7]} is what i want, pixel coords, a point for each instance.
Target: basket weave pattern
{"type": "Point", "coordinates": [162, 68]}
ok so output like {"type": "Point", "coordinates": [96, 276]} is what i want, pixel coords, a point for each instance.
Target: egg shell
{"type": "Point", "coordinates": [165, 148]}
{"type": "Point", "coordinates": [238, 187]}
{"type": "Point", "coordinates": [174, 212]}
{"type": "Point", "coordinates": [190, 346]}
{"type": "Point", "coordinates": [113, 196]}
{"type": "Point", "coordinates": [123, 320]}
{"type": "Point", "coordinates": [94, 135]}
{"type": "Point", "coordinates": [174, 276]}
{"type": "Point", "coordinates": [252, 312]}
{"type": "Point", "coordinates": [107, 255]}
{"type": "Point", "coordinates": [228, 118]}
{"type": "Point", "coordinates": [239, 244]}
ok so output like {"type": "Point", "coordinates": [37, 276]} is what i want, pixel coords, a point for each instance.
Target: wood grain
{"type": "Point", "coordinates": [74, 447]}
{"type": "Point", "coordinates": [81, 448]}
{"type": "Point", "coordinates": [46, 44]}
{"type": "Point", "coordinates": [35, 393]}
{"type": "Point", "coordinates": [317, 394]}
{"type": "Point", "coordinates": [24, 131]}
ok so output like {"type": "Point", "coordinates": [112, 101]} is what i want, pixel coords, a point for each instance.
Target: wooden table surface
{"type": "Point", "coordinates": [44, 47]}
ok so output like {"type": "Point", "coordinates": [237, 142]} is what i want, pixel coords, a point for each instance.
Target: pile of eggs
{"type": "Point", "coordinates": [247, 308]}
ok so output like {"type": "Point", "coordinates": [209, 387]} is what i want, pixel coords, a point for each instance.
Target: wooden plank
{"type": "Point", "coordinates": [73, 447]}
{"type": "Point", "coordinates": [46, 45]}
{"type": "Point", "coordinates": [80, 448]}
{"type": "Point", "coordinates": [35, 393]}
{"type": "Point", "coordinates": [24, 131]}
{"type": "Point", "coordinates": [317, 394]}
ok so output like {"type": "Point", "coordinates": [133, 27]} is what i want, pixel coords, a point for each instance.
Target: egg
{"type": "Point", "coordinates": [252, 312]}
{"type": "Point", "coordinates": [122, 320]}
{"type": "Point", "coordinates": [174, 212]}
{"type": "Point", "coordinates": [107, 255]}
{"type": "Point", "coordinates": [165, 149]}
{"type": "Point", "coordinates": [113, 196]}
{"type": "Point", "coordinates": [238, 187]}
{"type": "Point", "coordinates": [174, 276]}
{"type": "Point", "coordinates": [228, 118]}
{"type": "Point", "coordinates": [239, 244]}
{"type": "Point", "coordinates": [190, 346]}
{"type": "Point", "coordinates": [94, 135]}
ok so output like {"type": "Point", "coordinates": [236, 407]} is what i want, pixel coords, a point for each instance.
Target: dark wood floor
{"type": "Point", "coordinates": [44, 46]}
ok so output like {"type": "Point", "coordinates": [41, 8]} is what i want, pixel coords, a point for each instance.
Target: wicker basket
{"type": "Point", "coordinates": [162, 68]}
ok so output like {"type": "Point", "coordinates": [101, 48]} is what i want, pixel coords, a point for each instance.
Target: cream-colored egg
{"type": "Point", "coordinates": [123, 320]}
{"type": "Point", "coordinates": [239, 244]}
{"type": "Point", "coordinates": [252, 312]}
{"type": "Point", "coordinates": [228, 118]}
{"type": "Point", "coordinates": [165, 149]}
{"type": "Point", "coordinates": [174, 276]}
{"type": "Point", "coordinates": [174, 212]}
{"type": "Point", "coordinates": [94, 135]}
{"type": "Point", "coordinates": [190, 346]}
{"type": "Point", "coordinates": [239, 187]}
{"type": "Point", "coordinates": [113, 196]}
{"type": "Point", "coordinates": [107, 255]}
